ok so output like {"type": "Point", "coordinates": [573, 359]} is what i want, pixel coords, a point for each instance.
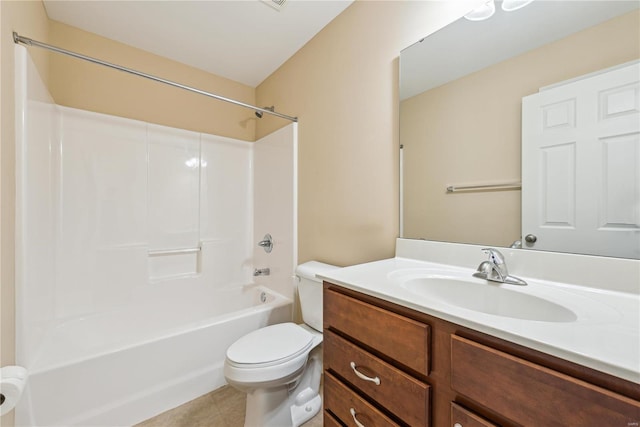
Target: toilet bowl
{"type": "Point", "coordinates": [279, 366]}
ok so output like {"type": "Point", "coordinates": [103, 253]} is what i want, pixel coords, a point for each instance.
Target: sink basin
{"type": "Point", "coordinates": [487, 297]}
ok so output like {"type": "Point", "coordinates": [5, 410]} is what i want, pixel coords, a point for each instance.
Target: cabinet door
{"type": "Point", "coordinates": [532, 395]}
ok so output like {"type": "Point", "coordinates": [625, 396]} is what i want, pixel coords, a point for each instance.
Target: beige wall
{"type": "Point", "coordinates": [472, 134]}
{"type": "Point", "coordinates": [343, 86]}
{"type": "Point", "coordinates": [84, 85]}
{"type": "Point", "coordinates": [23, 17]}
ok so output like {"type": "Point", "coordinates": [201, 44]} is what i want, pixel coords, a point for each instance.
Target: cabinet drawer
{"type": "Point", "coordinates": [398, 392]}
{"type": "Point", "coordinates": [400, 338]}
{"type": "Point", "coordinates": [460, 417]}
{"type": "Point", "coordinates": [532, 395]}
{"type": "Point", "coordinates": [347, 406]}
{"type": "Point", "coordinates": [329, 421]}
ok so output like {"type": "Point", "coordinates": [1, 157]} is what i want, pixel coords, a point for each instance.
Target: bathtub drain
{"type": "Point", "coordinates": [263, 296]}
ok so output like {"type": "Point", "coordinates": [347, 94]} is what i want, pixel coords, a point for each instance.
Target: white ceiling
{"type": "Point", "coordinates": [242, 40]}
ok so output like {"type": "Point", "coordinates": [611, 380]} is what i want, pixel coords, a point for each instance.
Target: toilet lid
{"type": "Point", "coordinates": [275, 343]}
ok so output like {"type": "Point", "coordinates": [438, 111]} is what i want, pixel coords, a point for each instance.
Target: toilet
{"type": "Point", "coordinates": [279, 366]}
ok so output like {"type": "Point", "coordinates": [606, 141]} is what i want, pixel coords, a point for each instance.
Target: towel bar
{"type": "Point", "coordinates": [163, 252]}
{"type": "Point", "coordinates": [484, 187]}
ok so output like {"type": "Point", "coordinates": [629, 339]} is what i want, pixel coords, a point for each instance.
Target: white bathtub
{"type": "Point", "coordinates": [120, 368]}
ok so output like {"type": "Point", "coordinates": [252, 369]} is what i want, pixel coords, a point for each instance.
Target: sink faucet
{"type": "Point", "coordinates": [495, 269]}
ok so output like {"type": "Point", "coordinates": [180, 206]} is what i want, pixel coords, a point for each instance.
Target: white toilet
{"type": "Point", "coordinates": [279, 366]}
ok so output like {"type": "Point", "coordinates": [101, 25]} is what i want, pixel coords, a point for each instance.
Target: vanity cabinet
{"type": "Point", "coordinates": [387, 365]}
{"type": "Point", "coordinates": [375, 361]}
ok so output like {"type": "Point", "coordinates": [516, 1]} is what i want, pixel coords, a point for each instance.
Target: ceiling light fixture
{"type": "Point", "coordinates": [511, 5]}
{"type": "Point", "coordinates": [483, 12]}
{"type": "Point", "coordinates": [276, 4]}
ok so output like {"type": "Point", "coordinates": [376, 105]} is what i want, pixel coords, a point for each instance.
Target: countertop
{"type": "Point", "coordinates": [605, 335]}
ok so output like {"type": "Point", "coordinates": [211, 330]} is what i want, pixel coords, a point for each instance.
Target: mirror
{"type": "Point", "coordinates": [461, 115]}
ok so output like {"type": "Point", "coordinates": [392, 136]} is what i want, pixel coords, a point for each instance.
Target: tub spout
{"type": "Point", "coordinates": [261, 272]}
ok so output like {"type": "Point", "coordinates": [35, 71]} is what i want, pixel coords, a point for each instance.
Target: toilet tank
{"type": "Point", "coordinates": [310, 291]}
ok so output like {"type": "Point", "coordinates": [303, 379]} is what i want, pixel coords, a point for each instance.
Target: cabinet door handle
{"type": "Point", "coordinates": [362, 376]}
{"type": "Point", "coordinates": [353, 414]}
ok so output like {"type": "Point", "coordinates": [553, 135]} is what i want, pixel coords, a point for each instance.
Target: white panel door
{"type": "Point", "coordinates": [581, 165]}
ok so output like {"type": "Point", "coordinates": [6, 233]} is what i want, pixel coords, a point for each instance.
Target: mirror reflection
{"type": "Point", "coordinates": [561, 173]}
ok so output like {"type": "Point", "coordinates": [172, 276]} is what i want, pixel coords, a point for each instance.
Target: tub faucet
{"type": "Point", "coordinates": [261, 272]}
{"type": "Point", "coordinates": [495, 269]}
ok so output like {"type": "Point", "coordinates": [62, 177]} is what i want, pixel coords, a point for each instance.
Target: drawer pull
{"type": "Point", "coordinates": [457, 425]}
{"type": "Point", "coordinates": [353, 414]}
{"type": "Point", "coordinates": [360, 375]}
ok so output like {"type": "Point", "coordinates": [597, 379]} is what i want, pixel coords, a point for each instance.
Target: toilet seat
{"type": "Point", "coordinates": [269, 346]}
{"type": "Point", "coordinates": [275, 354]}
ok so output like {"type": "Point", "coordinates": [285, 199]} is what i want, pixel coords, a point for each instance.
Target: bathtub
{"type": "Point", "coordinates": [120, 368]}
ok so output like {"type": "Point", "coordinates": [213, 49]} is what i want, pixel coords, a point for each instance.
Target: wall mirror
{"type": "Point", "coordinates": [476, 97]}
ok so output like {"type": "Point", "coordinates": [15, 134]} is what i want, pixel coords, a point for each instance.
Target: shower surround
{"type": "Point", "coordinates": [135, 249]}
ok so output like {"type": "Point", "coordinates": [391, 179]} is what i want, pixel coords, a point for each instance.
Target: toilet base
{"type": "Point", "coordinates": [300, 414]}
{"type": "Point", "coordinates": [278, 409]}
{"type": "Point", "coordinates": [287, 405]}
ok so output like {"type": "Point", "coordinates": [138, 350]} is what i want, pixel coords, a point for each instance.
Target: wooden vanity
{"type": "Point", "coordinates": [388, 365]}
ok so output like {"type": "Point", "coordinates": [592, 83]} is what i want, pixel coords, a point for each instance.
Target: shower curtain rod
{"type": "Point", "coordinates": [30, 42]}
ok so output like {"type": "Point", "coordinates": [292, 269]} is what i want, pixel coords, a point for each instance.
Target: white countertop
{"type": "Point", "coordinates": [604, 336]}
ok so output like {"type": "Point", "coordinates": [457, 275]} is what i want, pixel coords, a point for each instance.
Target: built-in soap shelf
{"type": "Point", "coordinates": [174, 251]}
{"type": "Point", "coordinates": [172, 263]}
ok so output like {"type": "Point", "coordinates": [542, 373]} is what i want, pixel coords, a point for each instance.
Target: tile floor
{"type": "Point", "coordinates": [221, 408]}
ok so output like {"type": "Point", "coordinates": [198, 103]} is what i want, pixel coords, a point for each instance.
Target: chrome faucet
{"type": "Point", "coordinates": [266, 243]}
{"type": "Point", "coordinates": [261, 272]}
{"type": "Point", "coordinates": [495, 269]}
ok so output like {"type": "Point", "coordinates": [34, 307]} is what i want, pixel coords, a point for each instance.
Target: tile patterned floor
{"type": "Point", "coordinates": [221, 408]}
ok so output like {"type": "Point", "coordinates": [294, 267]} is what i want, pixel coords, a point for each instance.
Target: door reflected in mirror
{"type": "Point", "coordinates": [461, 128]}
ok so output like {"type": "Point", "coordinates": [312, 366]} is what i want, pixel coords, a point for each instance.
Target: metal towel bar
{"type": "Point", "coordinates": [484, 187]}
{"type": "Point", "coordinates": [180, 251]}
